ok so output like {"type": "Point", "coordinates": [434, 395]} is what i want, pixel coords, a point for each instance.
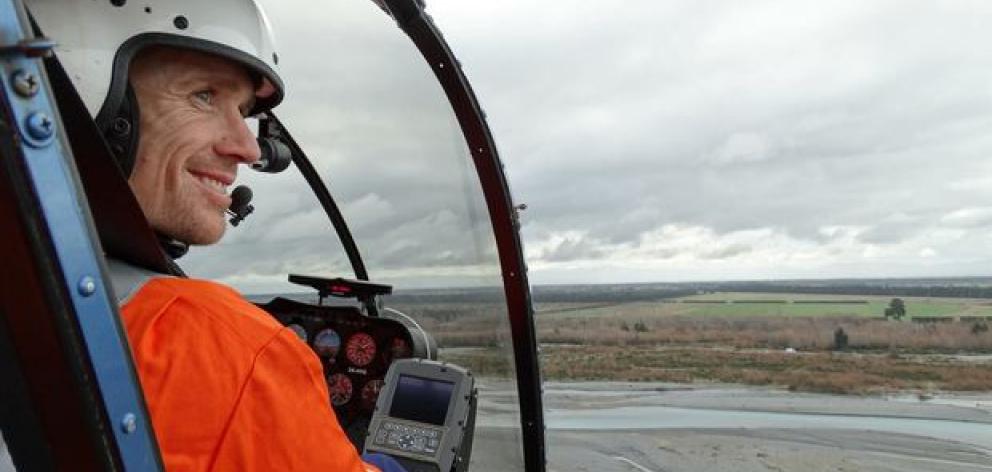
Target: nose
{"type": "Point", "coordinates": [237, 141]}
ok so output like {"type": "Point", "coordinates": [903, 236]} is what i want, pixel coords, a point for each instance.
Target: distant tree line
{"type": "Point", "coordinates": [941, 291]}
{"type": "Point", "coordinates": [975, 287]}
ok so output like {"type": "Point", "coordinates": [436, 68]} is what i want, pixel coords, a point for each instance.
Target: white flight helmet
{"type": "Point", "coordinates": [96, 40]}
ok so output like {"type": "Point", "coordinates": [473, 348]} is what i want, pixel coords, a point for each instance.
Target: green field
{"type": "Point", "coordinates": [787, 340]}
{"type": "Point", "coordinates": [875, 307]}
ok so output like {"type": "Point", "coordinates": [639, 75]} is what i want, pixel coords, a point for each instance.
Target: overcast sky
{"type": "Point", "coordinates": [651, 141]}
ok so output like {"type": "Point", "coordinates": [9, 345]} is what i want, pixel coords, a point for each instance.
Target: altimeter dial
{"type": "Point", "coordinates": [370, 393]}
{"type": "Point", "coordinates": [360, 349]}
{"type": "Point", "coordinates": [340, 388]}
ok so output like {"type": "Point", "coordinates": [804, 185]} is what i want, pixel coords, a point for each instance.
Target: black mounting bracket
{"type": "Point", "coordinates": [367, 293]}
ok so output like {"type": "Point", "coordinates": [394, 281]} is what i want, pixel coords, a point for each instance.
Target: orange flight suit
{"type": "Point", "coordinates": [228, 387]}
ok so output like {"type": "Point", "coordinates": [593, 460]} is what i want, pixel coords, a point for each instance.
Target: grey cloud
{"type": "Point", "coordinates": [896, 227]}
{"type": "Point", "coordinates": [573, 247]}
{"type": "Point", "coordinates": [969, 218]}
{"type": "Point", "coordinates": [727, 252]}
{"type": "Point", "coordinates": [614, 122]}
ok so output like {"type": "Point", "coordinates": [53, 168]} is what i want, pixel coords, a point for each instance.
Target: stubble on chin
{"type": "Point", "coordinates": [192, 223]}
{"type": "Point", "coordinates": [204, 232]}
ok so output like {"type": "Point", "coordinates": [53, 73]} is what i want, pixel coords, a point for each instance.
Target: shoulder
{"type": "Point", "coordinates": [204, 354]}
{"type": "Point", "coordinates": [198, 328]}
{"type": "Point", "coordinates": [191, 307]}
{"type": "Point", "coordinates": [183, 330]}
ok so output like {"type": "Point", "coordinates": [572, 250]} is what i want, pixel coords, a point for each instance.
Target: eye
{"type": "Point", "coordinates": [204, 96]}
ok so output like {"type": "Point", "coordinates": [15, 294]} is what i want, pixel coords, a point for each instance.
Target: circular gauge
{"type": "Point", "coordinates": [399, 348]}
{"type": "Point", "coordinates": [340, 388]}
{"type": "Point", "coordinates": [299, 331]}
{"type": "Point", "coordinates": [327, 342]}
{"type": "Point", "coordinates": [360, 349]}
{"type": "Point", "coordinates": [370, 393]}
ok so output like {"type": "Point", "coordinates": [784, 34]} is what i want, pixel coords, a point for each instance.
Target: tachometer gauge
{"type": "Point", "coordinates": [299, 331]}
{"type": "Point", "coordinates": [340, 388]}
{"type": "Point", "coordinates": [360, 349]}
{"type": "Point", "coordinates": [370, 393]}
{"type": "Point", "coordinates": [399, 348]}
{"type": "Point", "coordinates": [326, 343]}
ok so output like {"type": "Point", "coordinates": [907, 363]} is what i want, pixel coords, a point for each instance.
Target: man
{"type": "Point", "coordinates": [228, 387]}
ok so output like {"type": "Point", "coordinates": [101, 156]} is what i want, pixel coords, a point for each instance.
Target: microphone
{"type": "Point", "coordinates": [240, 207]}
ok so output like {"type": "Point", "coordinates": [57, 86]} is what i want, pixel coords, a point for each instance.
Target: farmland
{"type": "Point", "coordinates": [764, 304]}
{"type": "Point", "coordinates": [771, 339]}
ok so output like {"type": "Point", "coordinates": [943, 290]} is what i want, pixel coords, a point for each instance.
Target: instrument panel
{"type": "Point", "coordinates": [355, 351]}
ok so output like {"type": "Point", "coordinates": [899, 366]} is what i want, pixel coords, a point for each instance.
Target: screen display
{"type": "Point", "coordinates": [420, 399]}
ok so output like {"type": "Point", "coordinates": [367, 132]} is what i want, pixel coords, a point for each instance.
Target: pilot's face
{"type": "Point", "coordinates": [192, 137]}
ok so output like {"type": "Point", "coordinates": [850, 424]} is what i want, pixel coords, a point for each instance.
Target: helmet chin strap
{"type": "Point", "coordinates": [121, 132]}
{"type": "Point", "coordinates": [172, 246]}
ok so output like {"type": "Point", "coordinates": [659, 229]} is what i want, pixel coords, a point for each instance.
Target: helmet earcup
{"type": "Point", "coordinates": [121, 131]}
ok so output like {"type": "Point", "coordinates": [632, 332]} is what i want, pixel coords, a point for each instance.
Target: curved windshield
{"type": "Point", "coordinates": [369, 113]}
{"type": "Point", "coordinates": [758, 231]}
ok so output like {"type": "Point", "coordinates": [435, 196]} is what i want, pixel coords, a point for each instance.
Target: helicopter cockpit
{"type": "Point", "coordinates": [380, 231]}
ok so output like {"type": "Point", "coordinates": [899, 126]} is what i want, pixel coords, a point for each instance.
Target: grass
{"type": "Point", "coordinates": [875, 306]}
{"type": "Point", "coordinates": [839, 373]}
{"type": "Point", "coordinates": [807, 334]}
{"type": "Point", "coordinates": [722, 305]}
{"type": "Point", "coordinates": [673, 341]}
{"type": "Point", "coordinates": [808, 327]}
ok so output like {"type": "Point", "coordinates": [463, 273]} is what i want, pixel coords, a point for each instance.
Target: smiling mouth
{"type": "Point", "coordinates": [216, 190]}
{"type": "Point", "coordinates": [213, 184]}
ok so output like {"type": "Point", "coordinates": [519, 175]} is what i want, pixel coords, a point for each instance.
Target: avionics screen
{"type": "Point", "coordinates": [420, 399]}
